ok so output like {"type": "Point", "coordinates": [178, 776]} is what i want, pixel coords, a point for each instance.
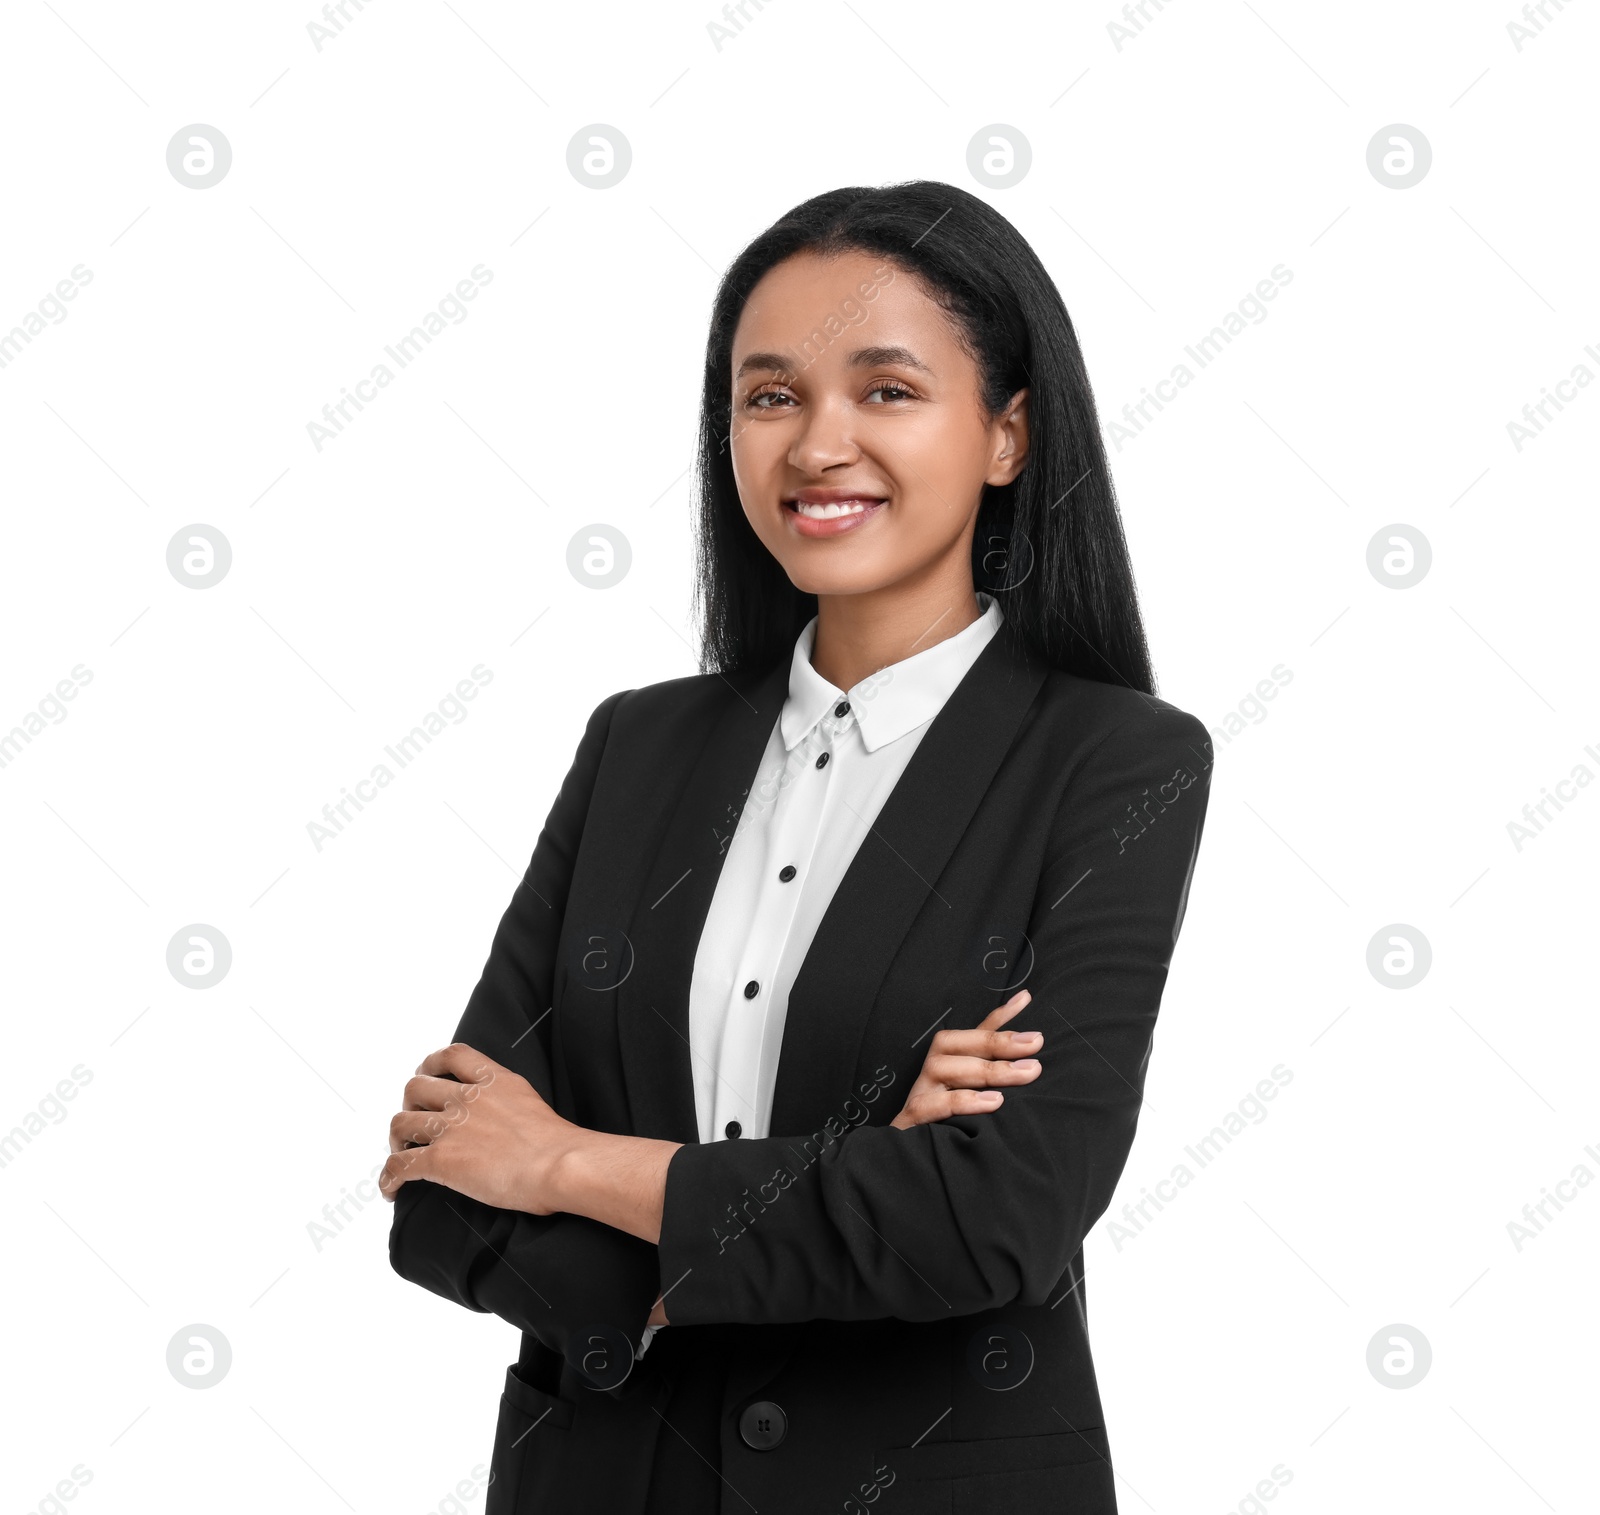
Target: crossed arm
{"type": "Point", "coordinates": [551, 1272]}
{"type": "Point", "coordinates": [481, 1130]}
{"type": "Point", "coordinates": [508, 1207]}
{"type": "Point", "coordinates": [485, 1132]}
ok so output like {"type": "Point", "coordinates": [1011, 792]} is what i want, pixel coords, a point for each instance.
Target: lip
{"type": "Point", "coordinates": [831, 526]}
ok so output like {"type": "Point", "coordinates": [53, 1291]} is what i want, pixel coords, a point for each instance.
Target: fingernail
{"type": "Point", "coordinates": [1027, 1065]}
{"type": "Point", "coordinates": [1028, 1038]}
{"type": "Point", "coordinates": [989, 1097]}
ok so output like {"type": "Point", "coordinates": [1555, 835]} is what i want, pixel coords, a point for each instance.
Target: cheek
{"type": "Point", "coordinates": [940, 468]}
{"type": "Point", "coordinates": [940, 504]}
{"type": "Point", "coordinates": [744, 481]}
{"type": "Point", "coordinates": [754, 455]}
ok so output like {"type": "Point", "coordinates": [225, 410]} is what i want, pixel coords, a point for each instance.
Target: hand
{"type": "Point", "coordinates": [480, 1129]}
{"type": "Point", "coordinates": [955, 1074]}
{"type": "Point", "coordinates": [962, 1067]}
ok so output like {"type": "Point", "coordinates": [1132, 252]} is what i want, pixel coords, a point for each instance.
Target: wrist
{"type": "Point", "coordinates": [571, 1171]}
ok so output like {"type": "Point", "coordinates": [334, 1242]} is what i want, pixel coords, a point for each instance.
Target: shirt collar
{"type": "Point", "coordinates": [894, 701]}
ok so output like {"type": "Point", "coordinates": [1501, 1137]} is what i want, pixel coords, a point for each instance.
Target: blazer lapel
{"type": "Point", "coordinates": [889, 880]}
{"type": "Point", "coordinates": [653, 1001]}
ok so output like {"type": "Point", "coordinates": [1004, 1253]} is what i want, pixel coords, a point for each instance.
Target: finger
{"type": "Point", "coordinates": [998, 1017]}
{"type": "Point", "coordinates": [403, 1166]}
{"type": "Point", "coordinates": [416, 1128]}
{"type": "Point", "coordinates": [940, 1104]}
{"type": "Point", "coordinates": [428, 1092]}
{"type": "Point", "coordinates": [992, 1044]}
{"type": "Point", "coordinates": [979, 1072]}
{"type": "Point", "coordinates": [459, 1061]}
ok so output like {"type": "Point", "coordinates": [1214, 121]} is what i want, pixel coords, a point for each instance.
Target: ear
{"type": "Point", "coordinates": [1011, 440]}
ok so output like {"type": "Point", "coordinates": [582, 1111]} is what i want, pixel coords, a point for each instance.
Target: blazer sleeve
{"type": "Point", "coordinates": [556, 1276]}
{"type": "Point", "coordinates": [976, 1212]}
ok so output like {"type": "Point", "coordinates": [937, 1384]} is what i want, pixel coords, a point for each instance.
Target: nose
{"type": "Point", "coordinates": [826, 438]}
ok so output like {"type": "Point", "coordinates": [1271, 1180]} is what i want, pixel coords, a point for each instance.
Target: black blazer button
{"type": "Point", "coordinates": [762, 1425]}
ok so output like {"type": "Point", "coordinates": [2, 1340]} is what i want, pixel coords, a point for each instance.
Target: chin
{"type": "Point", "coordinates": [838, 578]}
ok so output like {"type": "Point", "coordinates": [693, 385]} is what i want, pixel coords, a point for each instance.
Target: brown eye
{"type": "Point", "coordinates": [898, 391]}
{"type": "Point", "coordinates": [765, 394]}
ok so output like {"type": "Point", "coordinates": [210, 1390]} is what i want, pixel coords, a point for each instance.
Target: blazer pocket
{"type": "Point", "coordinates": [1085, 1488]}
{"type": "Point", "coordinates": [535, 1404]}
{"type": "Point", "coordinates": [1003, 1475]}
{"type": "Point", "coordinates": [529, 1447]}
{"type": "Point", "coordinates": [997, 1454]}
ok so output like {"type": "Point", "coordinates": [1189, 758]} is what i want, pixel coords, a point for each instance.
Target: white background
{"type": "Point", "coordinates": [1168, 176]}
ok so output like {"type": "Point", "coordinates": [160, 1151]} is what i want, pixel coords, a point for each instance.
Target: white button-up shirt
{"type": "Point", "coordinates": [798, 832]}
{"type": "Point", "coordinates": [832, 760]}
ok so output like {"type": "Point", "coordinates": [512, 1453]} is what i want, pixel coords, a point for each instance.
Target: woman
{"type": "Point", "coordinates": [779, 1232]}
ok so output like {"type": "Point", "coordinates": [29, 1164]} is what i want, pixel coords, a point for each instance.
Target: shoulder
{"type": "Point", "coordinates": [1100, 710]}
{"type": "Point", "coordinates": [1071, 716]}
{"type": "Point", "coordinates": [1111, 723]}
{"type": "Point", "coordinates": [654, 712]}
{"type": "Point", "coordinates": [1120, 765]}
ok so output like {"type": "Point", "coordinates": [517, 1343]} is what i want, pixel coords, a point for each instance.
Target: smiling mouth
{"type": "Point", "coordinates": [833, 510]}
{"type": "Point", "coordinates": [829, 518]}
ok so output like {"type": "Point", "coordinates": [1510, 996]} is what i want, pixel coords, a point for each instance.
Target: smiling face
{"type": "Point", "coordinates": [860, 442]}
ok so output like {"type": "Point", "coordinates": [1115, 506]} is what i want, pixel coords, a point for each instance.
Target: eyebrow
{"type": "Point", "coordinates": [862, 357]}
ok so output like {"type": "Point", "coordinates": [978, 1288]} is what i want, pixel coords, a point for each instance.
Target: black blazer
{"type": "Point", "coordinates": [858, 1312]}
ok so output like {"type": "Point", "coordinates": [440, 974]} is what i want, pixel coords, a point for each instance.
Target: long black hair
{"type": "Point", "coordinates": [1050, 543]}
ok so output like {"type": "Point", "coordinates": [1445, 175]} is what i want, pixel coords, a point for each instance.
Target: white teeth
{"type": "Point", "coordinates": [830, 512]}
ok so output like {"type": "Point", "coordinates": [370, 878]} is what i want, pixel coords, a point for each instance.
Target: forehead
{"type": "Point", "coordinates": [842, 303]}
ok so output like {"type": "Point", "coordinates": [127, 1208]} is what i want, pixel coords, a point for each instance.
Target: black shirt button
{"type": "Point", "coordinates": [752, 989]}
{"type": "Point", "coordinates": [786, 873]}
{"type": "Point", "coordinates": [842, 708]}
{"type": "Point", "coordinates": [762, 1425]}
{"type": "Point", "coordinates": [822, 762]}
{"type": "Point", "coordinates": [732, 1129]}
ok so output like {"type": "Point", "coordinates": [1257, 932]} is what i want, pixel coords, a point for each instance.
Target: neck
{"type": "Point", "coordinates": [857, 634]}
